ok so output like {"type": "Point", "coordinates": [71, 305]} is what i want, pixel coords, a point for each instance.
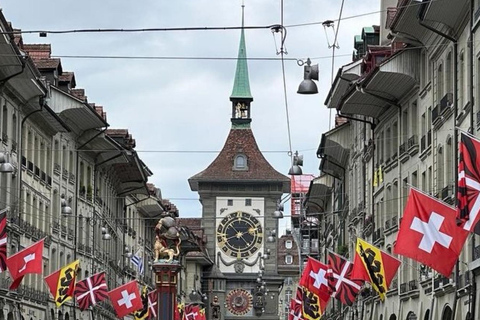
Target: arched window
{"type": "Point", "coordinates": [288, 244]}
{"type": "Point", "coordinates": [449, 72]}
{"type": "Point", "coordinates": [240, 162]}
{"type": "Point", "coordinates": [14, 132]}
{"type": "Point", "coordinates": [5, 124]}
{"type": "Point", "coordinates": [461, 79]}
{"type": "Point", "coordinates": [440, 88]}
{"type": "Point", "coordinates": [440, 168]}
{"type": "Point", "coordinates": [288, 259]}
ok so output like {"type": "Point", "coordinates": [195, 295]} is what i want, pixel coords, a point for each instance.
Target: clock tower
{"type": "Point", "coordinates": [239, 192]}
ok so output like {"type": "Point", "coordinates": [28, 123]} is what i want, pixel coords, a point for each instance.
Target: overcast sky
{"type": "Point", "coordinates": [178, 110]}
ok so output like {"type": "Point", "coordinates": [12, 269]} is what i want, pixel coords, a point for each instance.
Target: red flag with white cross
{"type": "Point", "coordinates": [314, 278]}
{"type": "Point", "coordinates": [342, 285]}
{"type": "Point", "coordinates": [429, 233]}
{"type": "Point", "coordinates": [152, 304]}
{"type": "Point", "coordinates": [468, 191]}
{"type": "Point", "coordinates": [126, 299]}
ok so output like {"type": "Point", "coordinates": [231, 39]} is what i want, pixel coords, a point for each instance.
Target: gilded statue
{"type": "Point", "coordinates": [167, 239]}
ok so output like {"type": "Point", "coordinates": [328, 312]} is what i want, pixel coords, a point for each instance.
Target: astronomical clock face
{"type": "Point", "coordinates": [239, 302]}
{"type": "Point", "coordinates": [239, 235]}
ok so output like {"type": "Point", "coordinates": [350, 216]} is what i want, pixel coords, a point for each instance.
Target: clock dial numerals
{"type": "Point", "coordinates": [239, 235]}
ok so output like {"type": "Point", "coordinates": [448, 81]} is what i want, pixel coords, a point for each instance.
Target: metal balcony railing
{"type": "Point", "coordinates": [435, 112]}
{"type": "Point", "coordinates": [446, 102]}
{"type": "Point", "coordinates": [412, 141]}
{"type": "Point", "coordinates": [402, 148]}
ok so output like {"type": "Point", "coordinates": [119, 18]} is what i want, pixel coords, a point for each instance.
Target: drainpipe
{"type": "Point", "coordinates": [420, 13]}
{"type": "Point", "coordinates": [473, 288]}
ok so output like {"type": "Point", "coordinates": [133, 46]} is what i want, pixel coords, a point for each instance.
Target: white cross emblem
{"type": "Point", "coordinates": [469, 182]}
{"type": "Point", "coordinates": [319, 278]}
{"type": "Point", "coordinates": [192, 314]}
{"type": "Point", "coordinates": [341, 278]}
{"type": "Point", "coordinates": [152, 306]}
{"type": "Point", "coordinates": [27, 259]}
{"type": "Point", "coordinates": [296, 316]}
{"type": "Point", "coordinates": [126, 299]}
{"type": "Point", "coordinates": [431, 232]}
{"type": "Point", "coordinates": [91, 291]}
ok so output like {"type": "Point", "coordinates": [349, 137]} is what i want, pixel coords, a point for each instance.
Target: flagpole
{"type": "Point", "coordinates": [433, 295]}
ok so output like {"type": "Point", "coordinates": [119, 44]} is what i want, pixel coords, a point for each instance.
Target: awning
{"type": "Point", "coordinates": [334, 155]}
{"type": "Point", "coordinates": [50, 120]}
{"type": "Point", "coordinates": [131, 176]}
{"type": "Point", "coordinates": [406, 22]}
{"type": "Point", "coordinates": [342, 82]}
{"type": "Point", "coordinates": [149, 206]}
{"type": "Point", "coordinates": [446, 16]}
{"type": "Point", "coordinates": [385, 86]}
{"type": "Point", "coordinates": [76, 113]}
{"type": "Point", "coordinates": [103, 148]}
{"type": "Point", "coordinates": [316, 200]}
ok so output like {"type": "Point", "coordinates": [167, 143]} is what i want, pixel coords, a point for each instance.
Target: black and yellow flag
{"type": "Point", "coordinates": [143, 313]}
{"type": "Point", "coordinates": [62, 283]}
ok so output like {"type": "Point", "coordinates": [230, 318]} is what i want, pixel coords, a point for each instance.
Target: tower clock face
{"type": "Point", "coordinates": [239, 235]}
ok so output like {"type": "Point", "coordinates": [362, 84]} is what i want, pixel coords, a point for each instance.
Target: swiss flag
{"type": "Point", "coordinates": [429, 233]}
{"type": "Point", "coordinates": [28, 260]}
{"type": "Point", "coordinates": [126, 299]}
{"type": "Point", "coordinates": [314, 278]}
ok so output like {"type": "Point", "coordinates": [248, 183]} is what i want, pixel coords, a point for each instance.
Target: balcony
{"type": "Point", "coordinates": [447, 194]}
{"type": "Point", "coordinates": [71, 178]}
{"type": "Point", "coordinates": [64, 231]}
{"type": "Point", "coordinates": [55, 227]}
{"type": "Point", "coordinates": [30, 166]}
{"type": "Point", "coordinates": [446, 103]}
{"type": "Point", "coordinates": [409, 290]}
{"type": "Point", "coordinates": [443, 285]}
{"type": "Point", "coordinates": [37, 172]}
{"type": "Point", "coordinates": [378, 238]}
{"type": "Point", "coordinates": [65, 174]}
{"type": "Point", "coordinates": [56, 169]}
{"type": "Point", "coordinates": [435, 114]}
{"type": "Point", "coordinates": [412, 145]}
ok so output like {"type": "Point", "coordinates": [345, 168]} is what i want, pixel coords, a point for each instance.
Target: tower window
{"type": "Point", "coordinates": [229, 202]}
{"type": "Point", "coordinates": [240, 162]}
{"type": "Point", "coordinates": [248, 202]}
{"type": "Point", "coordinates": [288, 244]}
{"type": "Point", "coordinates": [288, 259]}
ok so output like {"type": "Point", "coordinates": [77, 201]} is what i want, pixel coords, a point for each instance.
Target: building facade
{"type": "Point", "coordinates": [77, 183]}
{"type": "Point", "coordinates": [406, 96]}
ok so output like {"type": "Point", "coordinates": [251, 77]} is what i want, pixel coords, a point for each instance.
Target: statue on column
{"type": "Point", "coordinates": [167, 239]}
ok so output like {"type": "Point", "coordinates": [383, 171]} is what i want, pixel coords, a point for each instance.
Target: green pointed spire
{"type": "Point", "coordinates": [241, 86]}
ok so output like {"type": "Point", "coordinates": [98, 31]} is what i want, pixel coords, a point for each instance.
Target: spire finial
{"type": "Point", "coordinates": [241, 86]}
{"type": "Point", "coordinates": [243, 13]}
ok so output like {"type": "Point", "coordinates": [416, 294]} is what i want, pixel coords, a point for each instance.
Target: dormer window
{"type": "Point", "coordinates": [240, 162]}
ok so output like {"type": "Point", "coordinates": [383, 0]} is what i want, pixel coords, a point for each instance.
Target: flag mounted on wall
{"type": "Point", "coordinates": [429, 233]}
{"type": "Point", "coordinates": [90, 291]}
{"type": "Point", "coordinates": [375, 266]}
{"type": "Point", "coordinates": [62, 283]}
{"type": "Point", "coordinates": [26, 261]}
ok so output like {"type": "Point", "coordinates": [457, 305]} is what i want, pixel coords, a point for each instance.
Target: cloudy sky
{"type": "Point", "coordinates": [176, 104]}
